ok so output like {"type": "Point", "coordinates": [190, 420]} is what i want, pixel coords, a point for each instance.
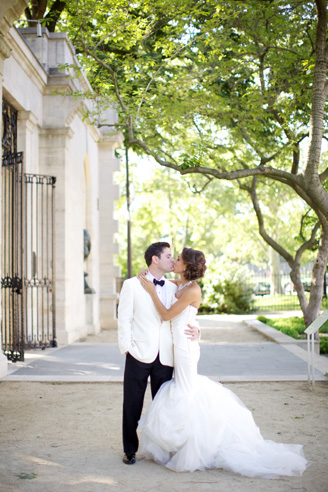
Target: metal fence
{"type": "Point", "coordinates": [39, 264]}
{"type": "Point", "coordinates": [273, 293]}
{"type": "Point", "coordinates": [278, 292]}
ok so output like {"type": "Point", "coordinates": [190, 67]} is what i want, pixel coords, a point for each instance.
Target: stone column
{"type": "Point", "coordinates": [108, 193]}
{"type": "Point", "coordinates": [28, 140]}
{"type": "Point", "coordinates": [54, 145]}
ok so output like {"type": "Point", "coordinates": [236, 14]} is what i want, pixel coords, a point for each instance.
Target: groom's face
{"type": "Point", "coordinates": [165, 262]}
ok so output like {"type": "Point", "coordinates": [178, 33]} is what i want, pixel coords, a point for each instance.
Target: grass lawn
{"type": "Point", "coordinates": [280, 301]}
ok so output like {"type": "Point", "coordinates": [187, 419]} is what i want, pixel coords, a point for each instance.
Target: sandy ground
{"type": "Point", "coordinates": [67, 437]}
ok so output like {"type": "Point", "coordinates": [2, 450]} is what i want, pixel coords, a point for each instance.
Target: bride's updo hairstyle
{"type": "Point", "coordinates": [195, 263]}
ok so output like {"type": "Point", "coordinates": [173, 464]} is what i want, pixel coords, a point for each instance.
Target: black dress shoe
{"type": "Point", "coordinates": [129, 459]}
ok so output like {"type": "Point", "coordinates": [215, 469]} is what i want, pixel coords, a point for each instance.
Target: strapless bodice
{"type": "Point", "coordinates": [180, 323]}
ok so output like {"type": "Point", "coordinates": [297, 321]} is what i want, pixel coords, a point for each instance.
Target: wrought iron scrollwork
{"type": "Point", "coordinates": [9, 129]}
{"type": "Point", "coordinates": [14, 283]}
{"type": "Point", "coordinates": [13, 355]}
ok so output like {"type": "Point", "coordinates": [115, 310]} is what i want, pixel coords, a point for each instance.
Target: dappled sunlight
{"type": "Point", "coordinates": [38, 461]}
{"type": "Point", "coordinates": [110, 367]}
{"type": "Point", "coordinates": [93, 480]}
{"type": "Point", "coordinates": [31, 355]}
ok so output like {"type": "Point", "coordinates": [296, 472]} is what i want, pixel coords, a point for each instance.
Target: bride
{"type": "Point", "coordinates": [195, 423]}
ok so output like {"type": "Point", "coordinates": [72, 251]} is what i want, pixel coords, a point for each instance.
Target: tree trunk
{"type": "Point", "coordinates": [274, 264]}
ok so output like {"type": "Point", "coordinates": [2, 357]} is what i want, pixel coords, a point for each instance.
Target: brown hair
{"type": "Point", "coordinates": [195, 263]}
{"type": "Point", "coordinates": [155, 249]}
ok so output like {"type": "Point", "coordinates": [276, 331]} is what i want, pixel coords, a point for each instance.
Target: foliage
{"type": "Point", "coordinates": [324, 345]}
{"type": "Point", "coordinates": [227, 89]}
{"type": "Point", "coordinates": [292, 326]}
{"type": "Point", "coordinates": [324, 327]}
{"type": "Point", "coordinates": [274, 302]}
{"type": "Point", "coordinates": [214, 216]}
{"type": "Point", "coordinates": [293, 322]}
{"type": "Point", "coordinates": [166, 207]}
{"type": "Point", "coordinates": [47, 11]}
{"type": "Point", "coordinates": [295, 326]}
{"type": "Point", "coordinates": [226, 289]}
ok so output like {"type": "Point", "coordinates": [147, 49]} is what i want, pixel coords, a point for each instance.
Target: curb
{"type": "Point", "coordinates": [297, 347]}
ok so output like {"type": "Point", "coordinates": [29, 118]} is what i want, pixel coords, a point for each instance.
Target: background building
{"type": "Point", "coordinates": [57, 195]}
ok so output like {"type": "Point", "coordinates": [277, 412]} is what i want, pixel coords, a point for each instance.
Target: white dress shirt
{"type": "Point", "coordinates": [160, 291]}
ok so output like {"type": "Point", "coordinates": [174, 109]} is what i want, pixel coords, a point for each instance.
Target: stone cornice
{"type": "Point", "coordinates": [5, 49]}
{"type": "Point", "coordinates": [26, 59]}
{"type": "Point", "coordinates": [79, 112]}
{"type": "Point", "coordinates": [28, 118]}
{"type": "Point", "coordinates": [50, 131]}
{"type": "Point", "coordinates": [9, 13]}
{"type": "Point", "coordinates": [115, 139]}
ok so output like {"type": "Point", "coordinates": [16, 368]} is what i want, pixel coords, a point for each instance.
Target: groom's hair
{"type": "Point", "coordinates": [155, 249]}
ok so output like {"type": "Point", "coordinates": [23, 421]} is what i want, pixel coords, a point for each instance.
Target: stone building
{"type": "Point", "coordinates": [57, 196]}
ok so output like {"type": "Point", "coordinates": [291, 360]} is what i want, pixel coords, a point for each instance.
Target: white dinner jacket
{"type": "Point", "coordinates": [141, 331]}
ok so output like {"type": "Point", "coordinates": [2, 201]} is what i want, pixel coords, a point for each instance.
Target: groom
{"type": "Point", "coordinates": [146, 340]}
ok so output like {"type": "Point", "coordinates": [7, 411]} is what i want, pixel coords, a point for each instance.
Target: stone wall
{"type": "Point", "coordinates": [57, 141]}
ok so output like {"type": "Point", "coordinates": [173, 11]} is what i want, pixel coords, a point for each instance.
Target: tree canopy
{"type": "Point", "coordinates": [232, 90]}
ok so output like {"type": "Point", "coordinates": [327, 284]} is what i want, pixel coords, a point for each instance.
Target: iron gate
{"type": "Point", "coordinates": [39, 268]}
{"type": "Point", "coordinates": [12, 294]}
{"type": "Point", "coordinates": [27, 250]}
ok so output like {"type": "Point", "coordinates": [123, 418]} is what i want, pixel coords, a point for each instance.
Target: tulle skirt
{"type": "Point", "coordinates": [207, 426]}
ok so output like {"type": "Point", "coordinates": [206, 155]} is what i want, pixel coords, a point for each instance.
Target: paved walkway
{"type": "Point", "coordinates": [233, 348]}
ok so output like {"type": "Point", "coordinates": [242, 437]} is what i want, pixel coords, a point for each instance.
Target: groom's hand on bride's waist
{"type": "Point", "coordinates": [192, 332]}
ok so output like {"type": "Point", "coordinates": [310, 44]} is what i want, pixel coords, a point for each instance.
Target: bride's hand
{"type": "Point", "coordinates": [142, 273]}
{"type": "Point", "coordinates": [147, 284]}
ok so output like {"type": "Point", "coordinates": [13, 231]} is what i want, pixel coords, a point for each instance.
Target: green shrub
{"type": "Point", "coordinates": [324, 345]}
{"type": "Point", "coordinates": [226, 288]}
{"type": "Point", "coordinates": [290, 326]}
{"type": "Point", "coordinates": [324, 328]}
{"type": "Point", "coordinates": [294, 326]}
{"type": "Point", "coordinates": [289, 331]}
{"type": "Point", "coordinates": [294, 323]}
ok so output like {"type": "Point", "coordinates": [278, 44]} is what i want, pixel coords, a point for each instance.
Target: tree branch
{"type": "Point", "coordinates": [307, 244]}
{"type": "Point", "coordinates": [111, 71]}
{"type": "Point", "coordinates": [268, 239]}
{"type": "Point", "coordinates": [194, 190]}
{"type": "Point", "coordinates": [324, 175]}
{"type": "Point", "coordinates": [228, 175]}
{"type": "Point", "coordinates": [53, 15]}
{"type": "Point", "coordinates": [181, 48]}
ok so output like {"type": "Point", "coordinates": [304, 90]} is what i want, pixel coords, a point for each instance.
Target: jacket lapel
{"type": "Point", "coordinates": [146, 301]}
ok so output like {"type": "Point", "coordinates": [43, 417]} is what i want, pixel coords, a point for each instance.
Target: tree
{"type": "Point", "coordinates": [166, 207]}
{"type": "Point", "coordinates": [49, 11]}
{"type": "Point", "coordinates": [227, 89]}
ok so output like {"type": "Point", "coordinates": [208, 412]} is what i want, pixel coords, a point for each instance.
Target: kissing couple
{"type": "Point", "coordinates": [193, 423]}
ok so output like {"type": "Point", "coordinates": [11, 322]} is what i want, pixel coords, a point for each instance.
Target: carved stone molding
{"type": "Point", "coordinates": [10, 10]}
{"type": "Point", "coordinates": [28, 118]}
{"type": "Point", "coordinates": [57, 137]}
{"type": "Point", "coordinates": [5, 49]}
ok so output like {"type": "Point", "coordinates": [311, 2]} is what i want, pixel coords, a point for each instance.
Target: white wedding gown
{"type": "Point", "coordinates": [195, 423]}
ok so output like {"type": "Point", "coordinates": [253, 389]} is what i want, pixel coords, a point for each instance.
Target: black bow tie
{"type": "Point", "coordinates": [159, 282]}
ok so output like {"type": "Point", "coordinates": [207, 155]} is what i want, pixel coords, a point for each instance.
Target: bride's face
{"type": "Point", "coordinates": [179, 265]}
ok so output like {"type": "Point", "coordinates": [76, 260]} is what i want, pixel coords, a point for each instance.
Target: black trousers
{"type": "Point", "coordinates": [136, 375]}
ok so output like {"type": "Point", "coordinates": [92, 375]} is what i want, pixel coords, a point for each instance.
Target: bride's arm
{"type": "Point", "coordinates": [190, 296]}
